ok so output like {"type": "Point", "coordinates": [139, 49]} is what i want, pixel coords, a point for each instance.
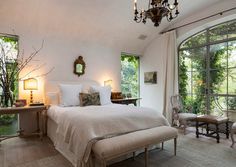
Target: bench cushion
{"type": "Point", "coordinates": [124, 144]}
{"type": "Point", "coordinates": [212, 119]}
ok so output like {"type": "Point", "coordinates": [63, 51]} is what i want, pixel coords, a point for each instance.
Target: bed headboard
{"type": "Point", "coordinates": [52, 86]}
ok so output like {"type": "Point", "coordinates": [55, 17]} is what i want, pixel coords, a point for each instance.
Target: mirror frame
{"type": "Point", "coordinates": [80, 61]}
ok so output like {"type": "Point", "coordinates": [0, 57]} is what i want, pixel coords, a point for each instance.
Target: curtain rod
{"type": "Point", "coordinates": [204, 18]}
{"type": "Point", "coordinates": [8, 35]}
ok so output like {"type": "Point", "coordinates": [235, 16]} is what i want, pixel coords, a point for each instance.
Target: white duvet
{"type": "Point", "coordinates": [80, 127]}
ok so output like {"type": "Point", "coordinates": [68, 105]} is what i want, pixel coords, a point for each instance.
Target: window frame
{"type": "Point", "coordinates": [208, 45]}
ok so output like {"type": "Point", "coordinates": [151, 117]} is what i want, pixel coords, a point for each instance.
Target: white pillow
{"type": "Point", "coordinates": [104, 93]}
{"type": "Point", "coordinates": [70, 94]}
{"type": "Point", "coordinates": [52, 98]}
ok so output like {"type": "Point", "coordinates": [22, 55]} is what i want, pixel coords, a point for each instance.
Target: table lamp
{"type": "Point", "coordinates": [31, 84]}
{"type": "Point", "coordinates": [108, 82]}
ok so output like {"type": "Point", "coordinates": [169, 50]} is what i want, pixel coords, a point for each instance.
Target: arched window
{"type": "Point", "coordinates": [207, 69]}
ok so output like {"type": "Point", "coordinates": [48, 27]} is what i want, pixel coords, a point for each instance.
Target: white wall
{"type": "Point", "coordinates": [152, 94]}
{"type": "Point", "coordinates": [152, 59]}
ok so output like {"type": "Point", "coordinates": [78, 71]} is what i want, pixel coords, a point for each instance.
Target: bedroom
{"type": "Point", "coordinates": [101, 31]}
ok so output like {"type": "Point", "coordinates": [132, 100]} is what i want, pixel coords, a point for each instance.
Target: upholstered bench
{"type": "Point", "coordinates": [203, 120]}
{"type": "Point", "coordinates": [233, 131]}
{"type": "Point", "coordinates": [110, 148]}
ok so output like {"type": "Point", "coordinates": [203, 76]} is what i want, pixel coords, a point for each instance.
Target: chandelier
{"type": "Point", "coordinates": [157, 9]}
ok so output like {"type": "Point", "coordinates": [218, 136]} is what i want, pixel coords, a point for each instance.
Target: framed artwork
{"type": "Point", "coordinates": [150, 77]}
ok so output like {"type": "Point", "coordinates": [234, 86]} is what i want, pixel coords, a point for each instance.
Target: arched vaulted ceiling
{"type": "Point", "coordinates": [105, 21]}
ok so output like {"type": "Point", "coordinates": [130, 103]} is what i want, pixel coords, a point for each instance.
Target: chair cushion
{"type": "Point", "coordinates": [123, 144]}
{"type": "Point", "coordinates": [187, 116]}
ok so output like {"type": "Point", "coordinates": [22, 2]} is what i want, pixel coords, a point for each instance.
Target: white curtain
{"type": "Point", "coordinates": [170, 73]}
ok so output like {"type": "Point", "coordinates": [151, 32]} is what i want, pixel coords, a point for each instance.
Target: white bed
{"type": "Point", "coordinates": [73, 130]}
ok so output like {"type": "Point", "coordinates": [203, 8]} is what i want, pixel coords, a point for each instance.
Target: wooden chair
{"type": "Point", "coordinates": [233, 131]}
{"type": "Point", "coordinates": [180, 115]}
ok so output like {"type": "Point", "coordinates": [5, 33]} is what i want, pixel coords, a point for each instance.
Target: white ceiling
{"type": "Point", "coordinates": [106, 21]}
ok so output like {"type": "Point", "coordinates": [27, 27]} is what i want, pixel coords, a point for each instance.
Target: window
{"type": "Point", "coordinates": [130, 75]}
{"type": "Point", "coordinates": [9, 48]}
{"type": "Point", "coordinates": [207, 69]}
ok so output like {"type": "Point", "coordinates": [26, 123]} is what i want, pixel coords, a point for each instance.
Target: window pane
{"type": "Point", "coordinates": [8, 124]}
{"type": "Point", "coordinates": [218, 81]}
{"type": "Point", "coordinates": [218, 33]}
{"type": "Point", "coordinates": [232, 54]}
{"type": "Point", "coordinates": [9, 46]}
{"type": "Point", "coordinates": [194, 41]}
{"type": "Point", "coordinates": [205, 73]}
{"type": "Point", "coordinates": [232, 81]}
{"type": "Point", "coordinates": [185, 59]}
{"type": "Point", "coordinates": [232, 29]}
{"type": "Point", "coordinates": [130, 75]}
{"type": "Point", "coordinates": [218, 105]}
{"type": "Point", "coordinates": [218, 56]}
{"type": "Point", "coordinates": [194, 59]}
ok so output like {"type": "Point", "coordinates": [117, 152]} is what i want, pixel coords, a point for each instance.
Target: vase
{"type": "Point", "coordinates": [7, 99]}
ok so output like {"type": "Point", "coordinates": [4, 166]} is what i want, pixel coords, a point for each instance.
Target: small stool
{"type": "Point", "coordinates": [233, 131]}
{"type": "Point", "coordinates": [215, 120]}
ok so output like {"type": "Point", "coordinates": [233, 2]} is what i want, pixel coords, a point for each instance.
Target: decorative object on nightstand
{"type": "Point", "coordinates": [116, 97]}
{"type": "Point", "coordinates": [20, 102]}
{"type": "Point", "coordinates": [31, 84]}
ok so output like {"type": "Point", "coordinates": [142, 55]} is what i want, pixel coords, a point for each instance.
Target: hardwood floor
{"type": "Point", "coordinates": [191, 152]}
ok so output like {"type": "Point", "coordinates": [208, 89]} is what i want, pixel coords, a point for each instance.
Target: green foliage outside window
{"type": "Point", "coordinates": [8, 55]}
{"type": "Point", "coordinates": [207, 70]}
{"type": "Point", "coordinates": [130, 75]}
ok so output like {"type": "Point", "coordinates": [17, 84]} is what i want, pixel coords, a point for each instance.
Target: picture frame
{"type": "Point", "coordinates": [150, 77]}
{"type": "Point", "coordinates": [79, 66]}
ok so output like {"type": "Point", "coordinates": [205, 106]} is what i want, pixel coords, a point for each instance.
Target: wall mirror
{"type": "Point", "coordinates": [79, 66]}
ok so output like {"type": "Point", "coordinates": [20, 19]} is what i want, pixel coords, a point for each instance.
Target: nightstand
{"type": "Point", "coordinates": [126, 101]}
{"type": "Point", "coordinates": [40, 120]}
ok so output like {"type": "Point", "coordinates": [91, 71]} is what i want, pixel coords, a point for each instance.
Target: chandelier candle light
{"type": "Point", "coordinates": [157, 9]}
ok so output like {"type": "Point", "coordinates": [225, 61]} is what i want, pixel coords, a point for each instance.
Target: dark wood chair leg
{"type": "Point", "coordinates": [217, 133]}
{"type": "Point", "coordinates": [227, 129]}
{"type": "Point", "coordinates": [133, 156]}
{"type": "Point", "coordinates": [207, 128]}
{"type": "Point", "coordinates": [162, 146]}
{"type": "Point", "coordinates": [175, 145]}
{"type": "Point", "coordinates": [146, 157]}
{"type": "Point", "coordinates": [197, 131]}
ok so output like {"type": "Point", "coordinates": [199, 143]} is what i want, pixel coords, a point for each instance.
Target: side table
{"type": "Point", "coordinates": [126, 101]}
{"type": "Point", "coordinates": [41, 112]}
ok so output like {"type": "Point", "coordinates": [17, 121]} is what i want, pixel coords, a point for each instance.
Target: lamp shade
{"type": "Point", "coordinates": [108, 82]}
{"type": "Point", "coordinates": [31, 84]}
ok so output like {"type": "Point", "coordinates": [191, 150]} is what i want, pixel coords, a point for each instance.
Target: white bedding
{"type": "Point", "coordinates": [80, 127]}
